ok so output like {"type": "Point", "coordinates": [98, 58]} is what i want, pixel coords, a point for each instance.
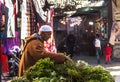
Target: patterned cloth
{"type": "Point", "coordinates": [28, 26]}
{"type": "Point", "coordinates": [50, 44]}
{"type": "Point", "coordinates": [30, 19]}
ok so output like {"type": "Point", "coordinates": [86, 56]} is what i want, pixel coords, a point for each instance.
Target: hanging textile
{"type": "Point", "coordinates": [31, 9]}
{"type": "Point", "coordinates": [12, 44]}
{"type": "Point", "coordinates": [11, 19]}
{"type": "Point", "coordinates": [1, 10]}
{"type": "Point", "coordinates": [24, 32]}
{"type": "Point", "coordinates": [28, 17]}
{"type": "Point", "coordinates": [3, 60]}
{"type": "Point", "coordinates": [50, 44]}
{"type": "Point", "coordinates": [41, 15]}
{"type": "Point", "coordinates": [1, 30]}
{"type": "Point", "coordinates": [2, 20]}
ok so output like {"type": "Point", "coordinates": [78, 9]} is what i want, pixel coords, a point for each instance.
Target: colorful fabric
{"type": "Point", "coordinates": [28, 19]}
{"type": "Point", "coordinates": [2, 19]}
{"type": "Point", "coordinates": [10, 43]}
{"type": "Point", "coordinates": [3, 60]}
{"type": "Point", "coordinates": [5, 67]}
{"type": "Point", "coordinates": [1, 10]}
{"type": "Point", "coordinates": [0, 55]}
{"type": "Point", "coordinates": [50, 44]}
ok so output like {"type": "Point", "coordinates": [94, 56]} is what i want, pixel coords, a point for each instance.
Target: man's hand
{"type": "Point", "coordinates": [65, 57]}
{"type": "Point", "coordinates": [68, 58]}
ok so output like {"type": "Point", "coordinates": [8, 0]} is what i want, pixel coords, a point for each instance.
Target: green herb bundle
{"type": "Point", "coordinates": [45, 70]}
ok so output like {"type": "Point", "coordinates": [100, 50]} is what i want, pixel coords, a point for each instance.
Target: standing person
{"type": "Point", "coordinates": [107, 53]}
{"type": "Point", "coordinates": [97, 44]}
{"type": "Point", "coordinates": [70, 43]}
{"type": "Point", "coordinates": [34, 50]}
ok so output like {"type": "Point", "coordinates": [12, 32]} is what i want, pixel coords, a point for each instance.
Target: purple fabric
{"type": "Point", "coordinates": [10, 43]}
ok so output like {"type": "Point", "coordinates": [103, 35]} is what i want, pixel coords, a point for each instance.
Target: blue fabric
{"type": "Point", "coordinates": [1, 35]}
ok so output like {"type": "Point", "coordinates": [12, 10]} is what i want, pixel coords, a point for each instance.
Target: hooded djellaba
{"type": "Point", "coordinates": [34, 50]}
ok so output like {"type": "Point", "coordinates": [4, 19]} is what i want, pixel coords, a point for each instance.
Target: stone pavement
{"type": "Point", "coordinates": [114, 67]}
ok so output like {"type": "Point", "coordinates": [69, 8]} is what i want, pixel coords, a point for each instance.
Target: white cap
{"type": "Point", "coordinates": [45, 28]}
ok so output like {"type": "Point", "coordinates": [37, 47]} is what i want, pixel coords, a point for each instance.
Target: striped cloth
{"type": "Point", "coordinates": [28, 17]}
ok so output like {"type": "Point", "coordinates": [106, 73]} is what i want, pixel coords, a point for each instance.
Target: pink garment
{"type": "Point", "coordinates": [50, 44]}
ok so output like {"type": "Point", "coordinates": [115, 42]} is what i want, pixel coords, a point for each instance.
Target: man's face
{"type": "Point", "coordinates": [46, 35]}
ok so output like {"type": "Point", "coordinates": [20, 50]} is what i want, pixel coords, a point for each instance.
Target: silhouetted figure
{"type": "Point", "coordinates": [70, 43]}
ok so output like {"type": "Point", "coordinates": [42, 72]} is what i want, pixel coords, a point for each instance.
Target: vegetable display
{"type": "Point", "coordinates": [45, 70]}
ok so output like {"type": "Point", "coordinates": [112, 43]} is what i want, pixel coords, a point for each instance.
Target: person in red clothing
{"type": "Point", "coordinates": [107, 53]}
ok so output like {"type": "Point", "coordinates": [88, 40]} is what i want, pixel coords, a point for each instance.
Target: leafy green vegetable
{"type": "Point", "coordinates": [45, 70]}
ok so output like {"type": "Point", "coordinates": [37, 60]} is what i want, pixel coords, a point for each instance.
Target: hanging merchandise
{"type": "Point", "coordinates": [102, 29]}
{"type": "Point", "coordinates": [50, 44]}
{"type": "Point", "coordinates": [97, 27]}
{"type": "Point", "coordinates": [12, 45]}
{"type": "Point", "coordinates": [28, 19]}
{"type": "Point", "coordinates": [105, 22]}
{"type": "Point", "coordinates": [10, 18]}
{"type": "Point", "coordinates": [24, 32]}
{"type": "Point", "coordinates": [2, 20]}
{"type": "Point", "coordinates": [3, 60]}
{"type": "Point", "coordinates": [41, 14]}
